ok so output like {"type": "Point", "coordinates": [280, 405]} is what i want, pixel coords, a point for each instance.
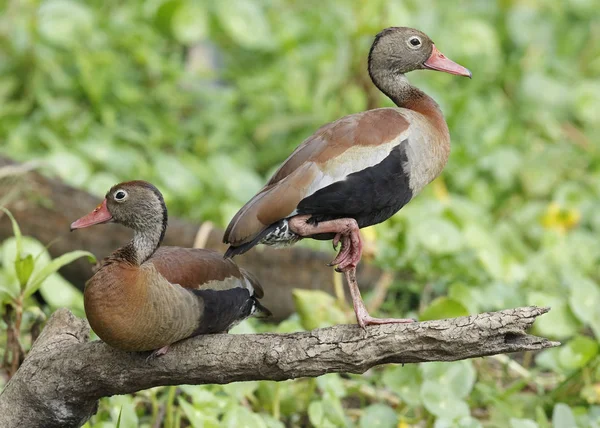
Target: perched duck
{"type": "Point", "coordinates": [146, 298]}
{"type": "Point", "coordinates": [359, 170]}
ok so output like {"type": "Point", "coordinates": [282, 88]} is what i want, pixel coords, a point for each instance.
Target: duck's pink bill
{"type": "Point", "coordinates": [437, 61]}
{"type": "Point", "coordinates": [98, 216]}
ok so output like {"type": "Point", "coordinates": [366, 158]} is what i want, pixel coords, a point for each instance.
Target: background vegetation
{"type": "Point", "coordinates": [206, 98]}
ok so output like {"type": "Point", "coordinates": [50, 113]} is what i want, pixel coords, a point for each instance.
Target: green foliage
{"type": "Point", "coordinates": [25, 268]}
{"type": "Point", "coordinates": [205, 99]}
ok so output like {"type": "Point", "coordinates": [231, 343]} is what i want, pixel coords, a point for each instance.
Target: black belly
{"type": "Point", "coordinates": [370, 196]}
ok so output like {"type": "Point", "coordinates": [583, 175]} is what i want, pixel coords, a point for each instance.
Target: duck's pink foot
{"type": "Point", "coordinates": [369, 320]}
{"type": "Point", "coordinates": [336, 240]}
{"type": "Point", "coordinates": [158, 353]}
{"type": "Point", "coordinates": [346, 232]}
{"type": "Point", "coordinates": [344, 251]}
{"type": "Point", "coordinates": [351, 259]}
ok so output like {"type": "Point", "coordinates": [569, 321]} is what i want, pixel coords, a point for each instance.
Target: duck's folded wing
{"type": "Point", "coordinates": [196, 268]}
{"type": "Point", "coordinates": [337, 150]}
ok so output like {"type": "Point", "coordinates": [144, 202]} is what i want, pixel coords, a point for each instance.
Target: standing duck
{"type": "Point", "coordinates": [144, 297]}
{"type": "Point", "coordinates": [359, 170]}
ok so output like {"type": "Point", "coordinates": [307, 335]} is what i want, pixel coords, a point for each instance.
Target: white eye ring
{"type": "Point", "coordinates": [120, 195]}
{"type": "Point", "coordinates": [414, 42]}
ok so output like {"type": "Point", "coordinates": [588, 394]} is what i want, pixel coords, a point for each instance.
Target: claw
{"type": "Point", "coordinates": [336, 241]}
{"type": "Point", "coordinates": [344, 252]}
{"type": "Point", "coordinates": [158, 353]}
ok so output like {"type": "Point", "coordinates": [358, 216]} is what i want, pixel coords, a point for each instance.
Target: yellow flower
{"type": "Point", "coordinates": [560, 219]}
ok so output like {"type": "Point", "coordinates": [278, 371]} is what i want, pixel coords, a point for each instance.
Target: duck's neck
{"type": "Point", "coordinates": [145, 242]}
{"type": "Point", "coordinates": [397, 87]}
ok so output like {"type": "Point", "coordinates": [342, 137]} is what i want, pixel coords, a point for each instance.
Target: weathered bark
{"type": "Point", "coordinates": [45, 208]}
{"type": "Point", "coordinates": [63, 376]}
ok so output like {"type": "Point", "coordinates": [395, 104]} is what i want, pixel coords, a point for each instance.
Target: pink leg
{"type": "Point", "coordinates": [362, 316]}
{"type": "Point", "coordinates": [158, 353]}
{"type": "Point", "coordinates": [346, 230]}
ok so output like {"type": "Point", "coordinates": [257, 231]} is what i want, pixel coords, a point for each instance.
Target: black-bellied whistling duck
{"type": "Point", "coordinates": [359, 170]}
{"type": "Point", "coordinates": [144, 297]}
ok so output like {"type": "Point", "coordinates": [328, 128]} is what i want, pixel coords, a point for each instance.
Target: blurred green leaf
{"type": "Point", "coordinates": [119, 419]}
{"type": "Point", "coordinates": [577, 352]}
{"type": "Point", "coordinates": [584, 301]}
{"type": "Point", "coordinates": [246, 23]}
{"type": "Point", "coordinates": [123, 411]}
{"type": "Point", "coordinates": [332, 384]}
{"type": "Point", "coordinates": [24, 268]}
{"type": "Point", "coordinates": [457, 378]}
{"type": "Point", "coordinates": [378, 416]}
{"type": "Point", "coordinates": [559, 322]}
{"type": "Point", "coordinates": [438, 236]}
{"type": "Point", "coordinates": [189, 23]}
{"type": "Point", "coordinates": [405, 381]}
{"type": "Point", "coordinates": [522, 423]}
{"type": "Point", "coordinates": [40, 276]}
{"type": "Point", "coordinates": [438, 401]}
{"type": "Point", "coordinates": [562, 416]}
{"type": "Point", "coordinates": [16, 234]}
{"type": "Point", "coordinates": [317, 309]}
{"type": "Point", "coordinates": [464, 422]}
{"type": "Point", "coordinates": [240, 416]}
{"type": "Point", "coordinates": [59, 293]}
{"type": "Point", "coordinates": [196, 417]}
{"type": "Point", "coordinates": [443, 307]}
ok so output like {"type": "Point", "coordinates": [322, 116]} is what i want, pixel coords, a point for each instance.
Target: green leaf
{"type": "Point", "coordinates": [317, 309]}
{"type": "Point", "coordinates": [39, 277]}
{"type": "Point", "coordinates": [119, 418]}
{"type": "Point", "coordinates": [197, 417]}
{"type": "Point", "coordinates": [440, 403]}
{"type": "Point", "coordinates": [438, 236]}
{"type": "Point", "coordinates": [246, 23]}
{"type": "Point", "coordinates": [240, 416]}
{"type": "Point", "coordinates": [559, 322]}
{"type": "Point", "coordinates": [584, 301]}
{"type": "Point", "coordinates": [562, 416]}
{"type": "Point", "coordinates": [468, 296]}
{"type": "Point", "coordinates": [123, 409]}
{"type": "Point", "coordinates": [316, 414]}
{"type": "Point", "coordinates": [189, 23]}
{"type": "Point", "coordinates": [332, 384]}
{"type": "Point", "coordinates": [522, 423]}
{"type": "Point", "coordinates": [16, 233]}
{"type": "Point", "coordinates": [9, 287]}
{"type": "Point", "coordinates": [24, 268]}
{"type": "Point", "coordinates": [378, 416]}
{"type": "Point", "coordinates": [456, 378]}
{"type": "Point", "coordinates": [577, 353]}
{"type": "Point", "coordinates": [443, 307]}
{"type": "Point", "coordinates": [464, 422]}
{"type": "Point", "coordinates": [549, 359]}
{"type": "Point", "coordinates": [60, 293]}
{"type": "Point", "coordinates": [241, 390]}
{"type": "Point", "coordinates": [405, 381]}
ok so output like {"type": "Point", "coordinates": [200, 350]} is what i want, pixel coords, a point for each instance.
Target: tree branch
{"type": "Point", "coordinates": [64, 375]}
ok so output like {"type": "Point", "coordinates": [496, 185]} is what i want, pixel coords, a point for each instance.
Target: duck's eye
{"type": "Point", "coordinates": [120, 195]}
{"type": "Point", "coordinates": [414, 42]}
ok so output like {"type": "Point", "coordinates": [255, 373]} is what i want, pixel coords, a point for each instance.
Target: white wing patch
{"type": "Point", "coordinates": [355, 159]}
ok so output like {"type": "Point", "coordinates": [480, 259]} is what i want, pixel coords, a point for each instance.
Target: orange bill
{"type": "Point", "coordinates": [98, 216]}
